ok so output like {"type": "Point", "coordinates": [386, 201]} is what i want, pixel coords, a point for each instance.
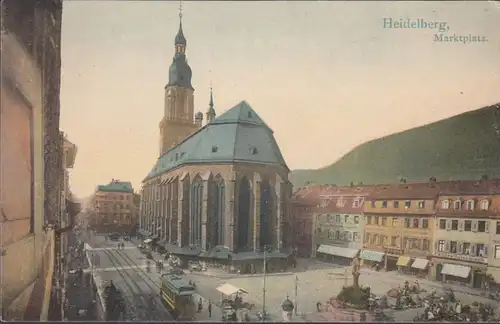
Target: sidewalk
{"type": "Point", "coordinates": [203, 315]}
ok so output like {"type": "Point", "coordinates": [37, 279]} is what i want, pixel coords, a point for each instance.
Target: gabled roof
{"type": "Point", "coordinates": [117, 186]}
{"type": "Point", "coordinates": [238, 135]}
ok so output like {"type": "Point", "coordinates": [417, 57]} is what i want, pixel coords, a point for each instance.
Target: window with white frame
{"type": "Point", "coordinates": [470, 205]}
{"type": "Point", "coordinates": [445, 204]}
{"type": "Point", "coordinates": [497, 251]}
{"type": "Point", "coordinates": [457, 204]}
{"type": "Point", "coordinates": [440, 246]}
{"type": "Point", "coordinates": [484, 204]}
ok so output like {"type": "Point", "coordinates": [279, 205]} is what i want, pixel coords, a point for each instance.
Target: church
{"type": "Point", "coordinates": [219, 191]}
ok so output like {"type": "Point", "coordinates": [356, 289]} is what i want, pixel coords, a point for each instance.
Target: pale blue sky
{"type": "Point", "coordinates": [326, 76]}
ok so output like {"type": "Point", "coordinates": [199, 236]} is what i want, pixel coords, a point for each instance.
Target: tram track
{"type": "Point", "coordinates": [133, 312]}
{"type": "Point", "coordinates": [155, 298]}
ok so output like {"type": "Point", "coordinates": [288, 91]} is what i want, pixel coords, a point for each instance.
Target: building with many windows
{"type": "Point", "coordinates": [218, 191]}
{"type": "Point", "coordinates": [339, 223]}
{"type": "Point", "coordinates": [399, 226]}
{"type": "Point", "coordinates": [302, 211]}
{"type": "Point", "coordinates": [462, 235]}
{"type": "Point", "coordinates": [113, 208]}
{"type": "Point", "coordinates": [493, 269]}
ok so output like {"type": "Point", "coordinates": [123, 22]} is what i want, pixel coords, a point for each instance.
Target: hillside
{"type": "Point", "coordinates": [465, 146]}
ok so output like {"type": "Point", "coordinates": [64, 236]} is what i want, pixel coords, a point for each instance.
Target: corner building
{"type": "Point", "coordinates": [219, 192]}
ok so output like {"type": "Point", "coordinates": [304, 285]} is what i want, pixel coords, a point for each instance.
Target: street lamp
{"type": "Point", "coordinates": [296, 286]}
{"type": "Point", "coordinates": [264, 286]}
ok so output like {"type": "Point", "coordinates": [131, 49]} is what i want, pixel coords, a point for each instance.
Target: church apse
{"type": "Point", "coordinates": [244, 201]}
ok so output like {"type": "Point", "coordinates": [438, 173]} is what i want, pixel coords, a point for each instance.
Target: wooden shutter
{"type": "Point", "coordinates": [473, 248]}
{"type": "Point", "coordinates": [447, 246]}
{"type": "Point", "coordinates": [460, 225]}
{"type": "Point", "coordinates": [485, 251]}
{"type": "Point", "coordinates": [474, 225]}
{"type": "Point", "coordinates": [448, 224]}
{"type": "Point", "coordinates": [487, 226]}
{"type": "Point", "coordinates": [460, 247]}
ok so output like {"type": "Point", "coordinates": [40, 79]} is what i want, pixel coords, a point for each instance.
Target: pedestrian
{"type": "Point", "coordinates": [200, 305]}
{"type": "Point", "coordinates": [209, 308]}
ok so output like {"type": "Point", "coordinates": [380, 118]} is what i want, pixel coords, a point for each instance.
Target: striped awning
{"type": "Point", "coordinates": [456, 270]}
{"type": "Point", "coordinates": [372, 255]}
{"type": "Point", "coordinates": [338, 251]}
{"type": "Point", "coordinates": [403, 261]}
{"type": "Point", "coordinates": [420, 263]}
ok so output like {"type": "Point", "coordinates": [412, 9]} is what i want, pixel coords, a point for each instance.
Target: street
{"type": "Point", "coordinates": [127, 269]}
{"type": "Point", "coordinates": [317, 281]}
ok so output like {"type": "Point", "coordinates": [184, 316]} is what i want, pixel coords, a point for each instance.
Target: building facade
{"type": "Point", "coordinates": [113, 208]}
{"type": "Point", "coordinates": [217, 189]}
{"type": "Point", "coordinates": [302, 212]}
{"type": "Point", "coordinates": [462, 233]}
{"type": "Point", "coordinates": [399, 226]}
{"type": "Point", "coordinates": [339, 223]}
{"type": "Point", "coordinates": [29, 166]}
{"type": "Point", "coordinates": [493, 269]}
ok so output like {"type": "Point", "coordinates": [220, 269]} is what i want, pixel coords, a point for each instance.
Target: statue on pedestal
{"type": "Point", "coordinates": [355, 272]}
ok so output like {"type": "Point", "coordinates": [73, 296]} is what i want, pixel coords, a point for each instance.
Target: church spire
{"type": "Point", "coordinates": [180, 40]}
{"type": "Point", "coordinates": [211, 110]}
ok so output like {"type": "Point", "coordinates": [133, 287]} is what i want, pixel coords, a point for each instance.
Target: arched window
{"type": "Point", "coordinates": [244, 197]}
{"type": "Point", "coordinates": [457, 204]}
{"type": "Point", "coordinates": [266, 215]}
{"type": "Point", "coordinates": [219, 210]}
{"type": "Point", "coordinates": [470, 204]}
{"type": "Point", "coordinates": [195, 212]}
{"type": "Point", "coordinates": [445, 204]}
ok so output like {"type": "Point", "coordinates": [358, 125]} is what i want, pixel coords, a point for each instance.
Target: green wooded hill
{"type": "Point", "coordinates": [466, 146]}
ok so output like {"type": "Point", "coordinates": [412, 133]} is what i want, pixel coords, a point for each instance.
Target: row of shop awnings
{"type": "Point", "coordinates": [404, 261]}
{"type": "Point", "coordinates": [369, 255]}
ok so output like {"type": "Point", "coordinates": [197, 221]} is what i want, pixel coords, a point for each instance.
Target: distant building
{"type": "Point", "coordinates": [302, 212]}
{"type": "Point", "coordinates": [218, 190]}
{"type": "Point", "coordinates": [113, 208]}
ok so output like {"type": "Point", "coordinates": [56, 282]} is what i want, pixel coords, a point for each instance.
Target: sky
{"type": "Point", "coordinates": [325, 76]}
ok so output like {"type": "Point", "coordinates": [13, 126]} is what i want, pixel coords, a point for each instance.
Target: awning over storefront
{"type": "Point", "coordinates": [338, 251]}
{"type": "Point", "coordinates": [228, 290]}
{"type": "Point", "coordinates": [494, 272]}
{"type": "Point", "coordinates": [455, 270]}
{"type": "Point", "coordinates": [143, 232]}
{"type": "Point", "coordinates": [147, 241]}
{"type": "Point", "coordinates": [403, 261]}
{"type": "Point", "coordinates": [420, 263]}
{"type": "Point", "coordinates": [372, 255]}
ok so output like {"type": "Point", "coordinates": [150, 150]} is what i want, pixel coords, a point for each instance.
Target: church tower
{"type": "Point", "coordinates": [178, 118]}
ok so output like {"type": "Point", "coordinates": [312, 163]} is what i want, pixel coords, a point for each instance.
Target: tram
{"type": "Point", "coordinates": [177, 295]}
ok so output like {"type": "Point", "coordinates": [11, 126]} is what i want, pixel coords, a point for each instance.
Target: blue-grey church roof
{"type": "Point", "coordinates": [238, 135]}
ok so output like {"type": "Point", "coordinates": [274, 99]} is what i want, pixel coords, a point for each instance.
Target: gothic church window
{"type": "Point", "coordinates": [196, 211]}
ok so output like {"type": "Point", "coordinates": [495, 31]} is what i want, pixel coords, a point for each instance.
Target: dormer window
{"type": "Point", "coordinates": [250, 114]}
{"type": "Point", "coordinates": [214, 149]}
{"type": "Point", "coordinates": [182, 155]}
{"type": "Point", "coordinates": [407, 204]}
{"type": "Point", "coordinates": [396, 204]}
{"type": "Point", "coordinates": [176, 156]}
{"type": "Point", "coordinates": [384, 204]}
{"type": "Point", "coordinates": [470, 205]}
{"type": "Point", "coordinates": [421, 204]}
{"type": "Point", "coordinates": [254, 150]}
{"type": "Point", "coordinates": [485, 204]}
{"type": "Point", "coordinates": [457, 204]}
{"type": "Point", "coordinates": [445, 204]}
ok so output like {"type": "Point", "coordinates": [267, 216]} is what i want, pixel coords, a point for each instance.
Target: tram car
{"type": "Point", "coordinates": [177, 295]}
